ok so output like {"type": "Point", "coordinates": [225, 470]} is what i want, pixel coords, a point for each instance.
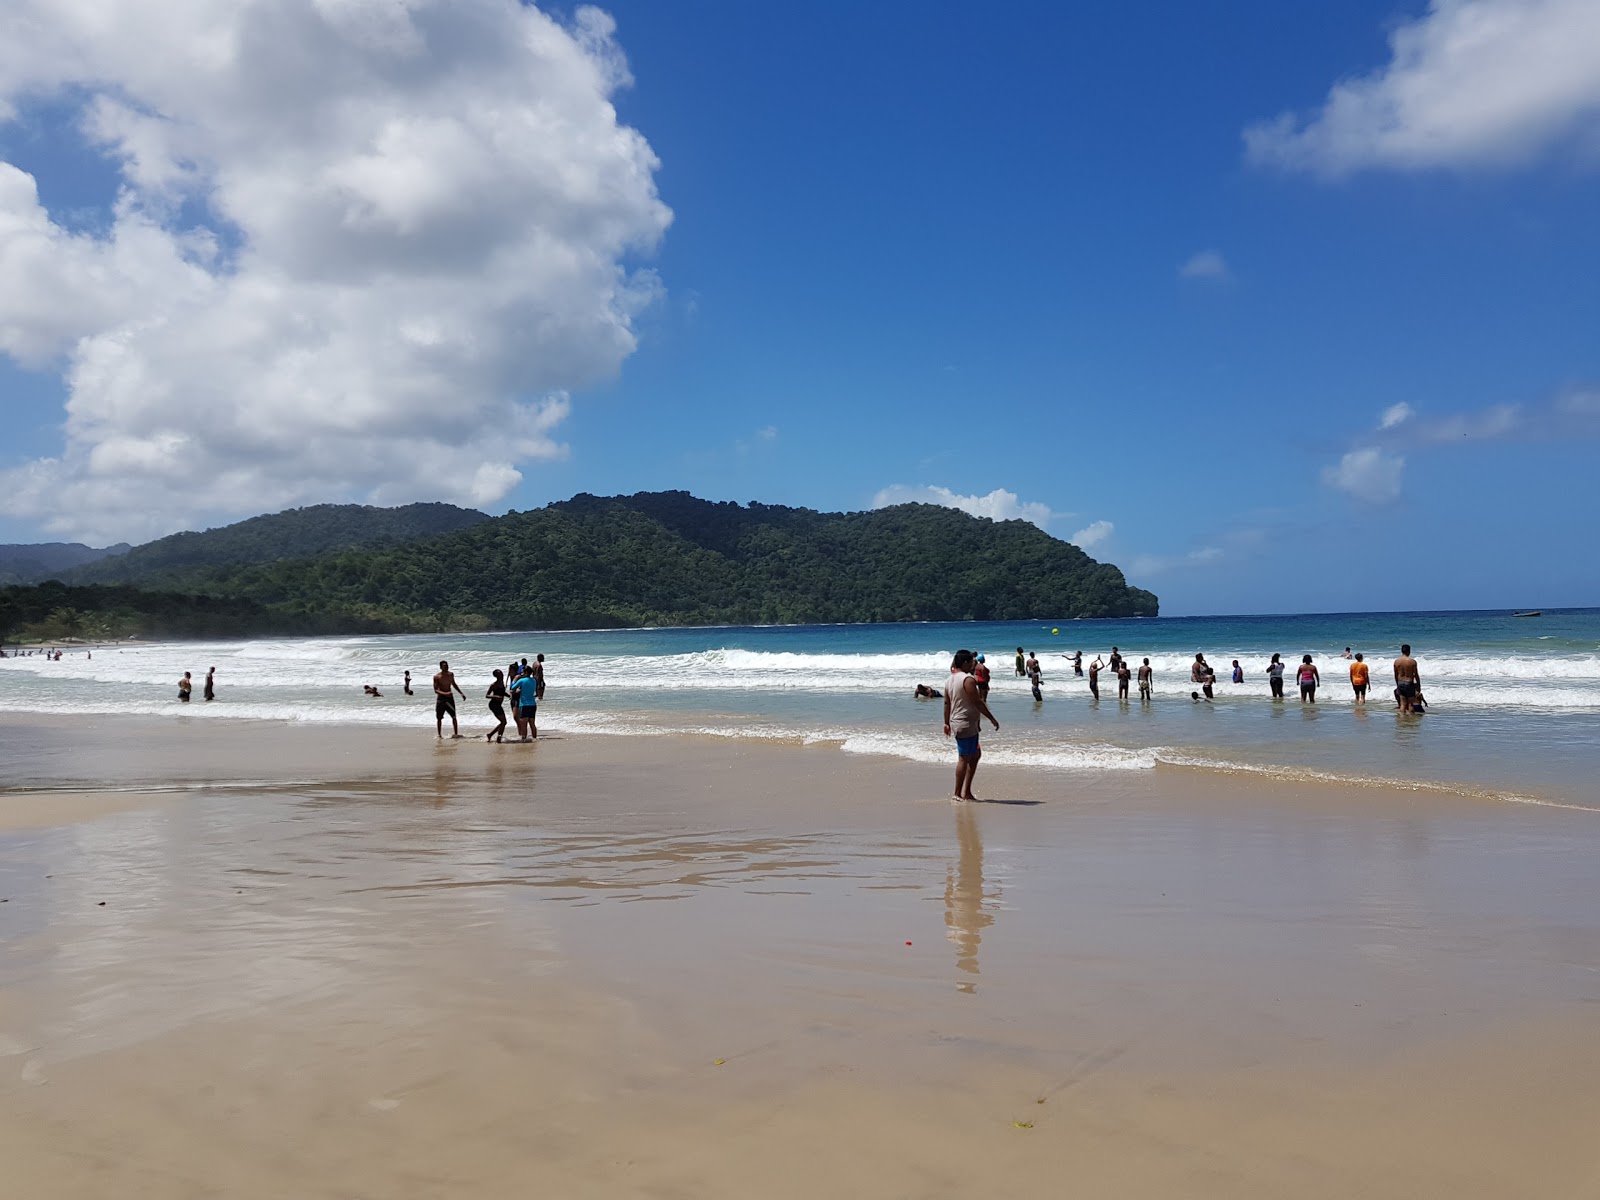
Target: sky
{"type": "Point", "coordinates": [1280, 308]}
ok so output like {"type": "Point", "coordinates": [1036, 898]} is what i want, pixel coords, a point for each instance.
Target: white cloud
{"type": "Point", "coordinates": [1395, 414]}
{"type": "Point", "coordinates": [1097, 531]}
{"type": "Point", "coordinates": [1368, 474]}
{"type": "Point", "coordinates": [361, 250]}
{"type": "Point", "coordinates": [1470, 83]}
{"type": "Point", "coordinates": [998, 505]}
{"type": "Point", "coordinates": [1207, 264]}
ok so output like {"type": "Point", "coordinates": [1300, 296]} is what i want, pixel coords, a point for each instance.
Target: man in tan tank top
{"type": "Point", "coordinates": [964, 712]}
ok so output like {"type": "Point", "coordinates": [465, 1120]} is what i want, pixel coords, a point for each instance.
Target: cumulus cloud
{"type": "Point", "coordinates": [1207, 264]}
{"type": "Point", "coordinates": [1469, 83]}
{"type": "Point", "coordinates": [1096, 531]}
{"type": "Point", "coordinates": [1395, 414]}
{"type": "Point", "coordinates": [1368, 474]}
{"type": "Point", "coordinates": [360, 250]}
{"type": "Point", "coordinates": [998, 505]}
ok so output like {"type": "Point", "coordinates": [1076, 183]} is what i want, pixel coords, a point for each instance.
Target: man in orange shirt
{"type": "Point", "coordinates": [1358, 679]}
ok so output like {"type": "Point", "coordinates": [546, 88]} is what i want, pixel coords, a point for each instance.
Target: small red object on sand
{"type": "Point", "coordinates": [908, 943]}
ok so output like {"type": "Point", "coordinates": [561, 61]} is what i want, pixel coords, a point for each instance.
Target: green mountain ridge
{"type": "Point", "coordinates": [174, 562]}
{"type": "Point", "coordinates": [656, 558]}
{"type": "Point", "coordinates": [41, 560]}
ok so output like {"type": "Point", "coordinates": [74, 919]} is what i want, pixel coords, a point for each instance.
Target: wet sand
{"type": "Point", "coordinates": [358, 963]}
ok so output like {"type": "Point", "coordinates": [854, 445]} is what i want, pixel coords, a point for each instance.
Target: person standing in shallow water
{"type": "Point", "coordinates": [496, 695]}
{"type": "Point", "coordinates": [1359, 678]}
{"type": "Point", "coordinates": [1275, 677]}
{"type": "Point", "coordinates": [185, 686]}
{"type": "Point", "coordinates": [1022, 667]}
{"type": "Point", "coordinates": [1036, 676]}
{"type": "Point", "coordinates": [1146, 681]}
{"type": "Point", "coordinates": [211, 683]}
{"type": "Point", "coordinates": [409, 692]}
{"type": "Point", "coordinates": [1308, 677]}
{"type": "Point", "coordinates": [1407, 680]}
{"type": "Point", "coordinates": [1094, 678]}
{"type": "Point", "coordinates": [444, 701]}
{"type": "Point", "coordinates": [964, 713]}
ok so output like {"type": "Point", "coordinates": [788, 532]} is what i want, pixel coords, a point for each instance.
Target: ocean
{"type": "Point", "coordinates": [1515, 702]}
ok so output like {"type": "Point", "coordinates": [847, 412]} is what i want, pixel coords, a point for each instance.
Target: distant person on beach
{"type": "Point", "coordinates": [1094, 678]}
{"type": "Point", "coordinates": [1275, 677]}
{"type": "Point", "coordinates": [525, 695]}
{"type": "Point", "coordinates": [371, 691]}
{"type": "Point", "coordinates": [1124, 674]}
{"type": "Point", "coordinates": [1359, 679]}
{"type": "Point", "coordinates": [1077, 664]}
{"type": "Point", "coordinates": [924, 692]}
{"type": "Point", "coordinates": [964, 713]}
{"type": "Point", "coordinates": [496, 695]}
{"type": "Point", "coordinates": [1346, 653]}
{"type": "Point", "coordinates": [1407, 680]}
{"type": "Point", "coordinates": [1036, 676]}
{"type": "Point", "coordinates": [1197, 669]}
{"type": "Point", "coordinates": [981, 674]}
{"type": "Point", "coordinates": [1307, 676]}
{"type": "Point", "coordinates": [1238, 672]}
{"type": "Point", "coordinates": [538, 672]}
{"type": "Point", "coordinates": [1115, 660]}
{"type": "Point", "coordinates": [184, 687]}
{"type": "Point", "coordinates": [211, 683]}
{"type": "Point", "coordinates": [1146, 680]}
{"type": "Point", "coordinates": [1022, 667]}
{"type": "Point", "coordinates": [444, 702]}
{"type": "Point", "coordinates": [1210, 681]}
{"type": "Point", "coordinates": [409, 692]}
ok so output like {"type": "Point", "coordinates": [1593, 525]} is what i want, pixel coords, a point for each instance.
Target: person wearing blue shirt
{"type": "Point", "coordinates": [525, 695]}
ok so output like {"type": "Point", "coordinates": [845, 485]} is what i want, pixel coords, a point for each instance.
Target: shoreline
{"type": "Point", "coordinates": [1006, 761]}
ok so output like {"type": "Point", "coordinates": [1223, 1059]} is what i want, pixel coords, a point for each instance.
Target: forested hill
{"type": "Point", "coordinates": [671, 559]}
{"type": "Point", "coordinates": [27, 563]}
{"type": "Point", "coordinates": [187, 561]}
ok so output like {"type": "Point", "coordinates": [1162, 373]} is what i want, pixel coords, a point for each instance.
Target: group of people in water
{"type": "Point", "coordinates": [522, 683]}
{"type": "Point", "coordinates": [966, 691]}
{"type": "Point", "coordinates": [1407, 677]}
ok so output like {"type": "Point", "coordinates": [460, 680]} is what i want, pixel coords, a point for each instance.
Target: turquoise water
{"type": "Point", "coordinates": [1515, 701]}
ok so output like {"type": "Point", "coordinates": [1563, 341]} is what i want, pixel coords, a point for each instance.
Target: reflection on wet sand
{"type": "Point", "coordinates": [965, 914]}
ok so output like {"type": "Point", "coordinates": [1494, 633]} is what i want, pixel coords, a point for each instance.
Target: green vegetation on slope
{"type": "Point", "coordinates": [185, 561]}
{"type": "Point", "coordinates": [671, 559]}
{"type": "Point", "coordinates": [30, 563]}
{"type": "Point", "coordinates": [54, 612]}
{"type": "Point", "coordinates": [662, 558]}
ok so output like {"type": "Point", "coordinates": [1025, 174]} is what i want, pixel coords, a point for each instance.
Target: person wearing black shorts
{"type": "Point", "coordinates": [497, 706]}
{"type": "Point", "coordinates": [444, 701]}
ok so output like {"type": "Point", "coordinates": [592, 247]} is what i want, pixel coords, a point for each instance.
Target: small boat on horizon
{"type": "Point", "coordinates": [1531, 613]}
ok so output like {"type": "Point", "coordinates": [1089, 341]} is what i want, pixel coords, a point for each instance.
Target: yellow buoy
{"type": "Point", "coordinates": [1055, 631]}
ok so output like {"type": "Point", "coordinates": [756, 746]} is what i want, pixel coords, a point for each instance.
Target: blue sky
{"type": "Point", "coordinates": [919, 246]}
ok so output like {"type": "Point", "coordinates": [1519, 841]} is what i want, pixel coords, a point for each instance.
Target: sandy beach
{"type": "Point", "coordinates": [252, 959]}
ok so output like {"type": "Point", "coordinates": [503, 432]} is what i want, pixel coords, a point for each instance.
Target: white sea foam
{"type": "Point", "coordinates": [256, 670]}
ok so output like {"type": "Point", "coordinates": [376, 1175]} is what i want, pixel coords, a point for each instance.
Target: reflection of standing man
{"type": "Point", "coordinates": [1407, 680]}
{"type": "Point", "coordinates": [965, 914]}
{"type": "Point", "coordinates": [964, 711]}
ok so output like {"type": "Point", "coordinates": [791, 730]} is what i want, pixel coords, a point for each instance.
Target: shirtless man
{"type": "Point", "coordinates": [1094, 678]}
{"type": "Point", "coordinates": [1407, 680]}
{"type": "Point", "coordinates": [1146, 680]}
{"type": "Point", "coordinates": [443, 702]}
{"type": "Point", "coordinates": [1124, 673]}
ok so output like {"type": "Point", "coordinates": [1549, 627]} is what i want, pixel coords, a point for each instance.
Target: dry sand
{"type": "Point", "coordinates": [356, 963]}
